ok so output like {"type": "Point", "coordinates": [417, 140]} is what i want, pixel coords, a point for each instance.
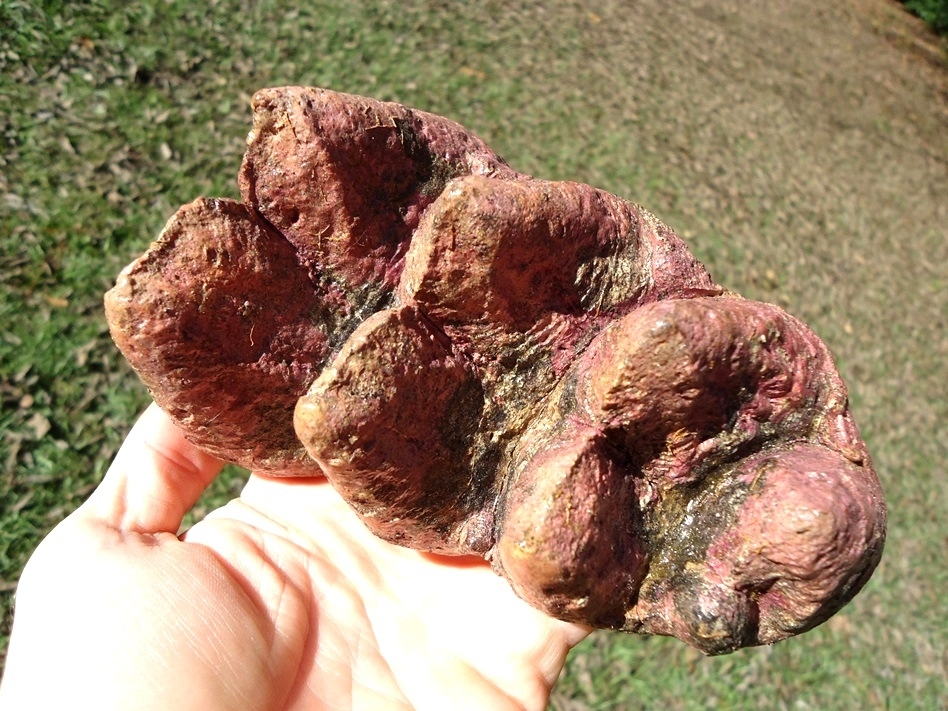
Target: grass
{"type": "Point", "coordinates": [801, 159]}
{"type": "Point", "coordinates": [934, 12]}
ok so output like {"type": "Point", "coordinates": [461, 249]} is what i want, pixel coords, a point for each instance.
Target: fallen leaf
{"type": "Point", "coordinates": [40, 425]}
{"type": "Point", "coordinates": [56, 301]}
{"type": "Point", "coordinates": [23, 501]}
{"type": "Point", "coordinates": [82, 352]}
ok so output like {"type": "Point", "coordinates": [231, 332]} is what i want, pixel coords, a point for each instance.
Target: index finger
{"type": "Point", "coordinates": [155, 479]}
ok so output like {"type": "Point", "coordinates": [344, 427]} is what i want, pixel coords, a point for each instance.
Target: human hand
{"type": "Point", "coordinates": [279, 600]}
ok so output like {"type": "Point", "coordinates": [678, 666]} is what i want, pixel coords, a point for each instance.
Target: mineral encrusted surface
{"type": "Point", "coordinates": [482, 362]}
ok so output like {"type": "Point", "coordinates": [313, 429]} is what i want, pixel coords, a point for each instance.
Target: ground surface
{"type": "Point", "coordinates": [800, 148]}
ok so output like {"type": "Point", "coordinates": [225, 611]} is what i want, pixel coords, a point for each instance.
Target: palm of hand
{"type": "Point", "coordinates": [281, 599]}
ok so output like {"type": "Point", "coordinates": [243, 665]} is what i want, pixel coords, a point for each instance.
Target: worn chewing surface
{"type": "Point", "coordinates": [483, 362]}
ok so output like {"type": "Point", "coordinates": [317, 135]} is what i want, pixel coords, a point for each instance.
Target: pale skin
{"type": "Point", "coordinates": [279, 600]}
